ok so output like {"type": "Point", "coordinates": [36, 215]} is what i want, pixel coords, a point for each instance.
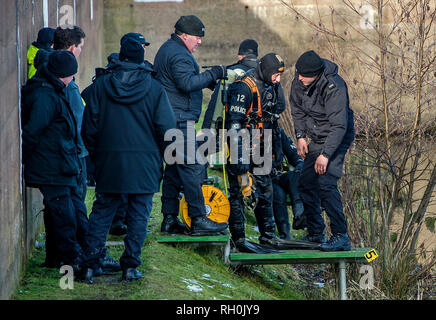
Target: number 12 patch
{"type": "Point", "coordinates": [371, 255]}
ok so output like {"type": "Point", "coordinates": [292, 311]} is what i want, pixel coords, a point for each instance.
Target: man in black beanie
{"type": "Point", "coordinates": [51, 149]}
{"type": "Point", "coordinates": [321, 112]}
{"type": "Point", "coordinates": [124, 124]}
{"type": "Point", "coordinates": [70, 38]}
{"type": "Point", "coordinates": [180, 75]}
{"type": "Point", "coordinates": [254, 101]}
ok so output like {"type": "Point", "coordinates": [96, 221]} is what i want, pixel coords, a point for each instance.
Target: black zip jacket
{"type": "Point", "coordinates": [178, 72]}
{"type": "Point", "coordinates": [50, 141]}
{"type": "Point", "coordinates": [321, 111]}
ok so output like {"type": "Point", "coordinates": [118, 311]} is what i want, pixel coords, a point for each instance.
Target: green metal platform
{"type": "Point", "coordinates": [356, 255]}
{"type": "Point", "coordinates": [177, 239]}
{"type": "Point", "coordinates": [340, 258]}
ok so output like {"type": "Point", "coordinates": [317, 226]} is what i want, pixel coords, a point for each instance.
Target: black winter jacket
{"type": "Point", "coordinates": [50, 141]}
{"type": "Point", "coordinates": [126, 116]}
{"type": "Point", "coordinates": [178, 72]}
{"type": "Point", "coordinates": [321, 111]}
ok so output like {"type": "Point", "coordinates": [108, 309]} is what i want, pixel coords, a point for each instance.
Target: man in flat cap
{"type": "Point", "coordinates": [179, 74]}
{"type": "Point", "coordinates": [321, 112]}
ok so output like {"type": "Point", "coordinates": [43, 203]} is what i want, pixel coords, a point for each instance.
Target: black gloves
{"type": "Point", "coordinates": [218, 72]}
{"type": "Point", "coordinates": [212, 85]}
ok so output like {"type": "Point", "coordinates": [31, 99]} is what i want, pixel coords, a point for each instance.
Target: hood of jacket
{"type": "Point", "coordinates": [330, 68]}
{"type": "Point", "coordinates": [127, 82]}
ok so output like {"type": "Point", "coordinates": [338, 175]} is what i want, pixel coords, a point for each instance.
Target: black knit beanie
{"type": "Point", "coordinates": [62, 64]}
{"type": "Point", "coordinates": [248, 46]}
{"type": "Point", "coordinates": [45, 36]}
{"type": "Point", "coordinates": [132, 51]}
{"type": "Point", "coordinates": [309, 64]}
{"type": "Point", "coordinates": [269, 64]}
{"type": "Point", "coordinates": [190, 25]}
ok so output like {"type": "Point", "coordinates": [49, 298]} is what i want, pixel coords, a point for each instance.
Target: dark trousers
{"type": "Point", "coordinates": [103, 211]}
{"type": "Point", "coordinates": [120, 215]}
{"type": "Point", "coordinates": [65, 231]}
{"type": "Point", "coordinates": [78, 195]}
{"type": "Point", "coordinates": [81, 181]}
{"type": "Point", "coordinates": [89, 171]}
{"type": "Point", "coordinates": [284, 185]}
{"type": "Point", "coordinates": [321, 191]}
{"type": "Point", "coordinates": [187, 177]}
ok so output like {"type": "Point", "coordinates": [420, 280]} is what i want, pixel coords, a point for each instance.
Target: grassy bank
{"type": "Point", "coordinates": [181, 272]}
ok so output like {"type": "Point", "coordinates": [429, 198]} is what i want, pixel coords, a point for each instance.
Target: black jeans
{"type": "Point", "coordinates": [189, 175]}
{"type": "Point", "coordinates": [104, 208]}
{"type": "Point", "coordinates": [318, 191]}
{"type": "Point", "coordinates": [65, 222]}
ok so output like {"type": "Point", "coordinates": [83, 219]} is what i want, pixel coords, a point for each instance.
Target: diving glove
{"type": "Point", "coordinates": [246, 181]}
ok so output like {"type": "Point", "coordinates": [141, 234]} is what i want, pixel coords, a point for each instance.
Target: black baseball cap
{"type": "Point", "coordinates": [135, 36]}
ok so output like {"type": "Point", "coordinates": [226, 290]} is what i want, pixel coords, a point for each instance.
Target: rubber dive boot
{"type": "Point", "coordinates": [243, 245]}
{"type": "Point", "coordinates": [284, 231]}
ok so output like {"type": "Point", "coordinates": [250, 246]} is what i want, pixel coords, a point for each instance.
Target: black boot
{"type": "Point", "coordinates": [131, 274]}
{"type": "Point", "coordinates": [109, 265]}
{"type": "Point", "coordinates": [317, 238]}
{"type": "Point", "coordinates": [86, 275]}
{"type": "Point", "coordinates": [118, 229]}
{"type": "Point", "coordinates": [337, 242]}
{"type": "Point", "coordinates": [203, 226]}
{"type": "Point", "coordinates": [171, 224]}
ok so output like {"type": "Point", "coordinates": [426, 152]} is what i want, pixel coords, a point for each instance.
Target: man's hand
{"type": "Point", "coordinates": [321, 164]}
{"type": "Point", "coordinates": [302, 147]}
